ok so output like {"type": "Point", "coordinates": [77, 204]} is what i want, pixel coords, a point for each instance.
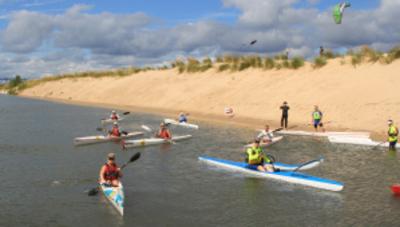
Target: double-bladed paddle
{"type": "Point", "coordinates": [135, 157]}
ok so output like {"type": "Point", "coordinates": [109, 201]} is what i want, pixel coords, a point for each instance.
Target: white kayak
{"type": "Point", "coordinates": [102, 138]}
{"type": "Point", "coordinates": [110, 121]}
{"type": "Point", "coordinates": [152, 141]}
{"type": "Point", "coordinates": [286, 176]}
{"type": "Point", "coordinates": [323, 134]}
{"type": "Point", "coordinates": [357, 141]}
{"type": "Point", "coordinates": [115, 195]}
{"type": "Point", "coordinates": [181, 124]}
{"type": "Point", "coordinates": [263, 144]}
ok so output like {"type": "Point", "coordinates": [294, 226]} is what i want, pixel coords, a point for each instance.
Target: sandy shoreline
{"type": "Point", "coordinates": [353, 99]}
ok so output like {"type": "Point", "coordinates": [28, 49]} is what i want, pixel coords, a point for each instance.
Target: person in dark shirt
{"type": "Point", "coordinates": [285, 115]}
{"type": "Point", "coordinates": [321, 51]}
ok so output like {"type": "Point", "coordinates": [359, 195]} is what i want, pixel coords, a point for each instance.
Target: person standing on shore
{"type": "Point", "coordinates": [393, 132]}
{"type": "Point", "coordinates": [285, 115]}
{"type": "Point", "coordinates": [317, 119]}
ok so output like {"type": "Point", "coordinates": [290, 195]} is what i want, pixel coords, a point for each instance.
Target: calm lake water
{"type": "Point", "coordinates": [45, 178]}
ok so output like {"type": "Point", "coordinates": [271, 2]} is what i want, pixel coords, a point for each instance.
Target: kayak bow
{"type": "Point", "coordinates": [152, 141]}
{"type": "Point", "coordinates": [182, 124]}
{"type": "Point", "coordinates": [102, 139]}
{"type": "Point", "coordinates": [115, 196]}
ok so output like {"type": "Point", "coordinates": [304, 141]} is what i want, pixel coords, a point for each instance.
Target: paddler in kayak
{"type": "Point", "coordinates": [115, 132]}
{"type": "Point", "coordinates": [183, 117]}
{"type": "Point", "coordinates": [317, 119]}
{"type": "Point", "coordinates": [256, 157]}
{"type": "Point", "coordinates": [114, 116]}
{"type": "Point", "coordinates": [393, 132]}
{"type": "Point", "coordinates": [163, 133]}
{"type": "Point", "coordinates": [265, 135]}
{"type": "Point", "coordinates": [110, 173]}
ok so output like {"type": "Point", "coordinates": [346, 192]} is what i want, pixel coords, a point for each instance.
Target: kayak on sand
{"type": "Point", "coordinates": [152, 141]}
{"type": "Point", "coordinates": [115, 195]}
{"type": "Point", "coordinates": [287, 176]}
{"type": "Point", "coordinates": [182, 124]}
{"type": "Point", "coordinates": [102, 138]}
{"type": "Point", "coordinates": [263, 144]}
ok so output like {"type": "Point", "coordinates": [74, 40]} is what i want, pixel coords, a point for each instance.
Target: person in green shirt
{"type": "Point", "coordinates": [317, 119]}
{"type": "Point", "coordinates": [255, 156]}
{"type": "Point", "coordinates": [393, 132]}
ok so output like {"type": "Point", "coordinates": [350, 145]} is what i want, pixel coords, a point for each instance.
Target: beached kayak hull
{"type": "Point", "coordinates": [323, 134]}
{"type": "Point", "coordinates": [262, 144]}
{"type": "Point", "coordinates": [290, 177]}
{"type": "Point", "coordinates": [102, 139]}
{"type": "Point", "coordinates": [152, 141]}
{"type": "Point", "coordinates": [357, 141]}
{"type": "Point", "coordinates": [185, 125]}
{"type": "Point", "coordinates": [115, 195]}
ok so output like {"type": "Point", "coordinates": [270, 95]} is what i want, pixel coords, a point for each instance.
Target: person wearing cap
{"type": "Point", "coordinates": [114, 116]}
{"type": "Point", "coordinates": [317, 119]}
{"type": "Point", "coordinates": [255, 157]}
{"type": "Point", "coordinates": [110, 173]}
{"type": "Point", "coordinates": [266, 135]}
{"type": "Point", "coordinates": [115, 130]}
{"type": "Point", "coordinates": [285, 115]}
{"type": "Point", "coordinates": [393, 132]}
{"type": "Point", "coordinates": [163, 133]}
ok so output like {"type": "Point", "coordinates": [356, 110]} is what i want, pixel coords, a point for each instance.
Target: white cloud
{"type": "Point", "coordinates": [82, 40]}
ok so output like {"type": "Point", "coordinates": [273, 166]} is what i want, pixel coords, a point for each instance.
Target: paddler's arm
{"type": "Point", "coordinates": [101, 175]}
{"type": "Point", "coordinates": [119, 173]}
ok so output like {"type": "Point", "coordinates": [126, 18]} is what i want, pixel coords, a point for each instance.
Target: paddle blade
{"type": "Point", "coordinates": [146, 128]}
{"type": "Point", "coordinates": [126, 113]}
{"type": "Point", "coordinates": [124, 132]}
{"type": "Point", "coordinates": [135, 157]}
{"type": "Point", "coordinates": [93, 191]}
{"type": "Point", "coordinates": [99, 129]}
{"type": "Point", "coordinates": [278, 129]}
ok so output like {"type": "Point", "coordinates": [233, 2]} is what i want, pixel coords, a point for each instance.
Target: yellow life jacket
{"type": "Point", "coordinates": [393, 132]}
{"type": "Point", "coordinates": [255, 156]}
{"type": "Point", "coordinates": [317, 115]}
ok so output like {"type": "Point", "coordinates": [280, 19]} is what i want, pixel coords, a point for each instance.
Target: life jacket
{"type": "Point", "coordinates": [255, 156]}
{"type": "Point", "coordinates": [393, 132]}
{"type": "Point", "coordinates": [182, 118]}
{"type": "Point", "coordinates": [317, 115]}
{"type": "Point", "coordinates": [111, 172]}
{"type": "Point", "coordinates": [115, 132]}
{"type": "Point", "coordinates": [164, 134]}
{"type": "Point", "coordinates": [114, 117]}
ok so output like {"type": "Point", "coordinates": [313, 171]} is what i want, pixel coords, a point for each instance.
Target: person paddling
{"type": "Point", "coordinates": [183, 117]}
{"type": "Point", "coordinates": [163, 133]}
{"type": "Point", "coordinates": [255, 157]}
{"type": "Point", "coordinates": [115, 130]}
{"type": "Point", "coordinates": [114, 116]}
{"type": "Point", "coordinates": [317, 119]}
{"type": "Point", "coordinates": [265, 135]}
{"type": "Point", "coordinates": [110, 173]}
{"type": "Point", "coordinates": [285, 115]}
{"type": "Point", "coordinates": [393, 132]}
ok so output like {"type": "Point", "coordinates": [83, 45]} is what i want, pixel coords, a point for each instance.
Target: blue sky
{"type": "Point", "coordinates": [43, 37]}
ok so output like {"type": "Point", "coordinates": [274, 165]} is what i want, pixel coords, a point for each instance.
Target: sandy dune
{"type": "Point", "coordinates": [360, 98]}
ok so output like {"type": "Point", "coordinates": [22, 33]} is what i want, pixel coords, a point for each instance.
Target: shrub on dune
{"type": "Point", "coordinates": [319, 62]}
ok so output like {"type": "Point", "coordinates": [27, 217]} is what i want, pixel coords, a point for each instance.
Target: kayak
{"type": "Point", "coordinates": [286, 176]}
{"type": "Point", "coordinates": [357, 141]}
{"type": "Point", "coordinates": [182, 124]}
{"type": "Point", "coordinates": [324, 134]}
{"type": "Point", "coordinates": [102, 138]}
{"type": "Point", "coordinates": [115, 196]}
{"type": "Point", "coordinates": [110, 121]}
{"type": "Point", "coordinates": [395, 189]}
{"type": "Point", "coordinates": [263, 144]}
{"type": "Point", "coordinates": [152, 141]}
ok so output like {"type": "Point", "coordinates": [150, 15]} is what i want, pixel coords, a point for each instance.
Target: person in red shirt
{"type": "Point", "coordinates": [115, 130]}
{"type": "Point", "coordinates": [110, 173]}
{"type": "Point", "coordinates": [164, 133]}
{"type": "Point", "coordinates": [114, 116]}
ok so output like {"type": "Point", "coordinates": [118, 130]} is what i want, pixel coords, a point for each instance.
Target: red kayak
{"type": "Point", "coordinates": [396, 189]}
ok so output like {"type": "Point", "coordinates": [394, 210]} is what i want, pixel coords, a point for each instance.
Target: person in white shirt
{"type": "Point", "coordinates": [266, 135]}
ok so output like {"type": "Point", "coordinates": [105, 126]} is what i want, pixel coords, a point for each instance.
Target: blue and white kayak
{"type": "Point", "coordinates": [181, 124]}
{"type": "Point", "coordinates": [287, 176]}
{"type": "Point", "coordinates": [115, 195]}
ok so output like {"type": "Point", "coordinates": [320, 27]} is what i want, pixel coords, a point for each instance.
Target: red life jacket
{"type": "Point", "coordinates": [115, 132]}
{"type": "Point", "coordinates": [114, 117]}
{"type": "Point", "coordinates": [111, 172]}
{"type": "Point", "coordinates": [164, 134]}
